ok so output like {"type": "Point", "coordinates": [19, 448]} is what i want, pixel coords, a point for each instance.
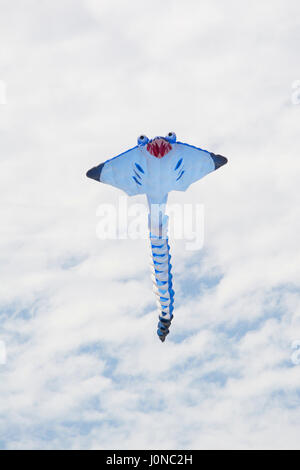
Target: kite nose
{"type": "Point", "coordinates": [95, 172]}
{"type": "Point", "coordinates": [219, 160]}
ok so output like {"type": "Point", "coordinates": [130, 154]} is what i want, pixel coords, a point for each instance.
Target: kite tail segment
{"type": "Point", "coordinates": [162, 278]}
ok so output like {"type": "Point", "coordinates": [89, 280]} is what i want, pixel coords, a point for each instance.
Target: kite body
{"type": "Point", "coordinates": [156, 167]}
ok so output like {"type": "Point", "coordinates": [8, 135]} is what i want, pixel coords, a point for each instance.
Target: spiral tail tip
{"type": "Point", "coordinates": [163, 329]}
{"type": "Point", "coordinates": [162, 335]}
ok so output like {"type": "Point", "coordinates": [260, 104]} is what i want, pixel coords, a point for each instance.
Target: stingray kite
{"type": "Point", "coordinates": [156, 167]}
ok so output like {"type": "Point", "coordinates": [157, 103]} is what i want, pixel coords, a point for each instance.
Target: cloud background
{"type": "Point", "coordinates": [84, 366]}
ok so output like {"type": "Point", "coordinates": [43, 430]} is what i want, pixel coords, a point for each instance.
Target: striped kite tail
{"type": "Point", "coordinates": [162, 283]}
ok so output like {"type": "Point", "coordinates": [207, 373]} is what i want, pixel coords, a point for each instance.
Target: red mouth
{"type": "Point", "coordinates": [159, 147]}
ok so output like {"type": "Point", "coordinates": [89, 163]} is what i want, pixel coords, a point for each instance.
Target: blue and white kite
{"type": "Point", "coordinates": [156, 167]}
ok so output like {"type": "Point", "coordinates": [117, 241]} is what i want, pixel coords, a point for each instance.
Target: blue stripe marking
{"type": "Point", "coordinates": [161, 283]}
{"type": "Point", "coordinates": [139, 168]}
{"type": "Point", "coordinates": [136, 173]}
{"type": "Point", "coordinates": [180, 175]}
{"type": "Point", "coordinates": [136, 180]}
{"type": "Point", "coordinates": [178, 164]}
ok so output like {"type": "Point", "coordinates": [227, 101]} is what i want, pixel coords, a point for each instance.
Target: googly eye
{"type": "Point", "coordinates": [171, 137]}
{"type": "Point", "coordinates": [142, 140]}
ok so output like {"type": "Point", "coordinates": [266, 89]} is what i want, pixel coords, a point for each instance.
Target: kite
{"type": "Point", "coordinates": [155, 167]}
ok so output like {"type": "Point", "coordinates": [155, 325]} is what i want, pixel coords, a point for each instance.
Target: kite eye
{"type": "Point", "coordinates": [171, 137]}
{"type": "Point", "coordinates": [142, 140]}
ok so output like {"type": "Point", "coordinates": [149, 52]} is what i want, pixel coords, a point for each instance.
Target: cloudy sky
{"type": "Point", "coordinates": [84, 368]}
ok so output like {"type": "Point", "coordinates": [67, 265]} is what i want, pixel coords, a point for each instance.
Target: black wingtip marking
{"type": "Point", "coordinates": [219, 160]}
{"type": "Point", "coordinates": [95, 172]}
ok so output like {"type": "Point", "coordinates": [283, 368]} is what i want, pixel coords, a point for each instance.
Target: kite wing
{"type": "Point", "coordinates": [125, 171]}
{"type": "Point", "coordinates": [192, 164]}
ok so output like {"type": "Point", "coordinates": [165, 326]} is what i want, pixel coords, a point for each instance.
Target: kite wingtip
{"type": "Point", "coordinates": [95, 172]}
{"type": "Point", "coordinates": [219, 160]}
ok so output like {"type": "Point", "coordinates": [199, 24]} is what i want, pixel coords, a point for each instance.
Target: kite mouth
{"type": "Point", "coordinates": [159, 147]}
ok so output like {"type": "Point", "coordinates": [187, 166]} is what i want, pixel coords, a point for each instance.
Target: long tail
{"type": "Point", "coordinates": [162, 280]}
